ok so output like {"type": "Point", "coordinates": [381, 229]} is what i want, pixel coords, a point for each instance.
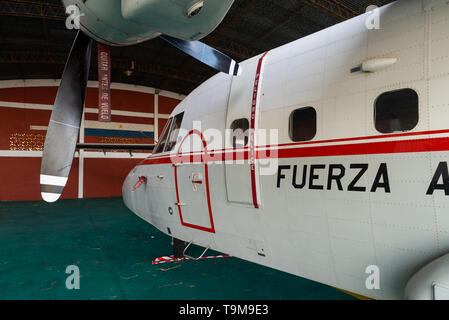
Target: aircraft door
{"type": "Point", "coordinates": [192, 185]}
{"type": "Point", "coordinates": [241, 166]}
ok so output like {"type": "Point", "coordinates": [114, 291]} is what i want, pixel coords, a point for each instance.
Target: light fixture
{"type": "Point", "coordinates": [130, 71]}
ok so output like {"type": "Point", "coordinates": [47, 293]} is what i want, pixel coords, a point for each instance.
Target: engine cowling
{"type": "Point", "coordinates": [431, 282]}
{"type": "Point", "coordinates": [128, 22]}
{"type": "Point", "coordinates": [182, 19]}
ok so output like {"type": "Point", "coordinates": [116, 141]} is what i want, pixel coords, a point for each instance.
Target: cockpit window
{"type": "Point", "coordinates": [163, 139]}
{"type": "Point", "coordinates": [174, 132]}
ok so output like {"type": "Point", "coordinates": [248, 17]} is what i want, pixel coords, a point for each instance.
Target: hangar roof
{"type": "Point", "coordinates": [34, 42]}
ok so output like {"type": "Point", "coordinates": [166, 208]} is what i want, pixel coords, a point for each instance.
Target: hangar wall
{"type": "Point", "coordinates": [138, 116]}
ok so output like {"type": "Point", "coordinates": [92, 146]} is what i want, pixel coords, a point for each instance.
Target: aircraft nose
{"type": "Point", "coordinates": [127, 189]}
{"type": "Point", "coordinates": [135, 192]}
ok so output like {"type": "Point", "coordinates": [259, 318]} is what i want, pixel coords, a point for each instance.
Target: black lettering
{"type": "Point", "coordinates": [314, 177]}
{"type": "Point", "coordinates": [280, 175]}
{"type": "Point", "coordinates": [335, 177]}
{"type": "Point", "coordinates": [382, 174]}
{"type": "Point", "coordinates": [442, 172]}
{"type": "Point", "coordinates": [363, 168]}
{"type": "Point", "coordinates": [304, 174]}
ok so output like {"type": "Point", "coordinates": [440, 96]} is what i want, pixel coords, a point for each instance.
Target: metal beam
{"type": "Point", "coordinates": [187, 62]}
{"type": "Point", "coordinates": [230, 48]}
{"type": "Point", "coordinates": [25, 8]}
{"type": "Point", "coordinates": [333, 8]}
{"type": "Point", "coordinates": [233, 19]}
{"type": "Point", "coordinates": [22, 57]}
{"type": "Point", "coordinates": [291, 16]}
{"type": "Point", "coordinates": [237, 15]}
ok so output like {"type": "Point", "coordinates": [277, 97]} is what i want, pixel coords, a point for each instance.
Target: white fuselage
{"type": "Point", "coordinates": [377, 211]}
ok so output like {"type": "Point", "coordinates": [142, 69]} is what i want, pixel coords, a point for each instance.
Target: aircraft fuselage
{"type": "Point", "coordinates": [361, 187]}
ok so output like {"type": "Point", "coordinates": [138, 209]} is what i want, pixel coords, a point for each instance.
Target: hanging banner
{"type": "Point", "coordinates": [104, 83]}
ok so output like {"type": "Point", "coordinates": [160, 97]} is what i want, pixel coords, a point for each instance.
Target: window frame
{"type": "Point", "coordinates": [290, 123]}
{"type": "Point", "coordinates": [165, 133]}
{"type": "Point", "coordinates": [234, 145]}
{"type": "Point", "coordinates": [390, 92]}
{"type": "Point", "coordinates": [181, 114]}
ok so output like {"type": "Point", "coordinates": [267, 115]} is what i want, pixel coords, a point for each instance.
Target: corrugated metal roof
{"type": "Point", "coordinates": [251, 27]}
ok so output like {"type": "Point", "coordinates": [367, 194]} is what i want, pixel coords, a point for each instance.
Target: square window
{"type": "Point", "coordinates": [302, 126]}
{"type": "Point", "coordinates": [397, 111]}
{"type": "Point", "coordinates": [240, 133]}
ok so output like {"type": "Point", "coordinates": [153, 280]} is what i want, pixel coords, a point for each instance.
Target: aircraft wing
{"type": "Point", "coordinates": [110, 146]}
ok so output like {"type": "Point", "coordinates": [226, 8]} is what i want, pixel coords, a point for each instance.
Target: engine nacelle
{"type": "Point", "coordinates": [182, 19]}
{"type": "Point", "coordinates": [128, 22]}
{"type": "Point", "coordinates": [431, 282]}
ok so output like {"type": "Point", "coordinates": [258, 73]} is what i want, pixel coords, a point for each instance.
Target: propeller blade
{"type": "Point", "coordinates": [206, 54]}
{"type": "Point", "coordinates": [65, 121]}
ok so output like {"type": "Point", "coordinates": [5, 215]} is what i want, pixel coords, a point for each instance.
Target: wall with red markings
{"type": "Point", "coordinates": [20, 179]}
{"type": "Point", "coordinates": [25, 110]}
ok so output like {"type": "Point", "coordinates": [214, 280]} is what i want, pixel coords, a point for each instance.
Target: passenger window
{"type": "Point", "coordinates": [397, 111]}
{"type": "Point", "coordinates": [302, 124]}
{"type": "Point", "coordinates": [163, 139]}
{"type": "Point", "coordinates": [174, 132]}
{"type": "Point", "coordinates": [240, 133]}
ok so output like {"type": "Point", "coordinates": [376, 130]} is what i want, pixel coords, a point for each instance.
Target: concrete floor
{"type": "Point", "coordinates": [114, 249]}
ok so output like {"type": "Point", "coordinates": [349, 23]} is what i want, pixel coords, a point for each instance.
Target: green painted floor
{"type": "Point", "coordinates": [114, 249]}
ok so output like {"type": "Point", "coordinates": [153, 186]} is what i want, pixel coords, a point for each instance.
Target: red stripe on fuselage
{"type": "Point", "coordinates": [385, 147]}
{"type": "Point", "coordinates": [369, 148]}
{"type": "Point", "coordinates": [237, 150]}
{"type": "Point", "coordinates": [252, 152]}
{"type": "Point", "coordinates": [384, 136]}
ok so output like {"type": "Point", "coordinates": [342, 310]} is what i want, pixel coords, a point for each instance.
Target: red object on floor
{"type": "Point", "coordinates": [167, 259]}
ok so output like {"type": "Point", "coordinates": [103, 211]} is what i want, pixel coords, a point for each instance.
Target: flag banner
{"type": "Point", "coordinates": [104, 83]}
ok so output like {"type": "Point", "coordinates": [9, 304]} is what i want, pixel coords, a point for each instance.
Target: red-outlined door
{"type": "Point", "coordinates": [192, 185]}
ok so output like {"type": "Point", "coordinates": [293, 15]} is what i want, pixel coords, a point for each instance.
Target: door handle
{"type": "Point", "coordinates": [197, 178]}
